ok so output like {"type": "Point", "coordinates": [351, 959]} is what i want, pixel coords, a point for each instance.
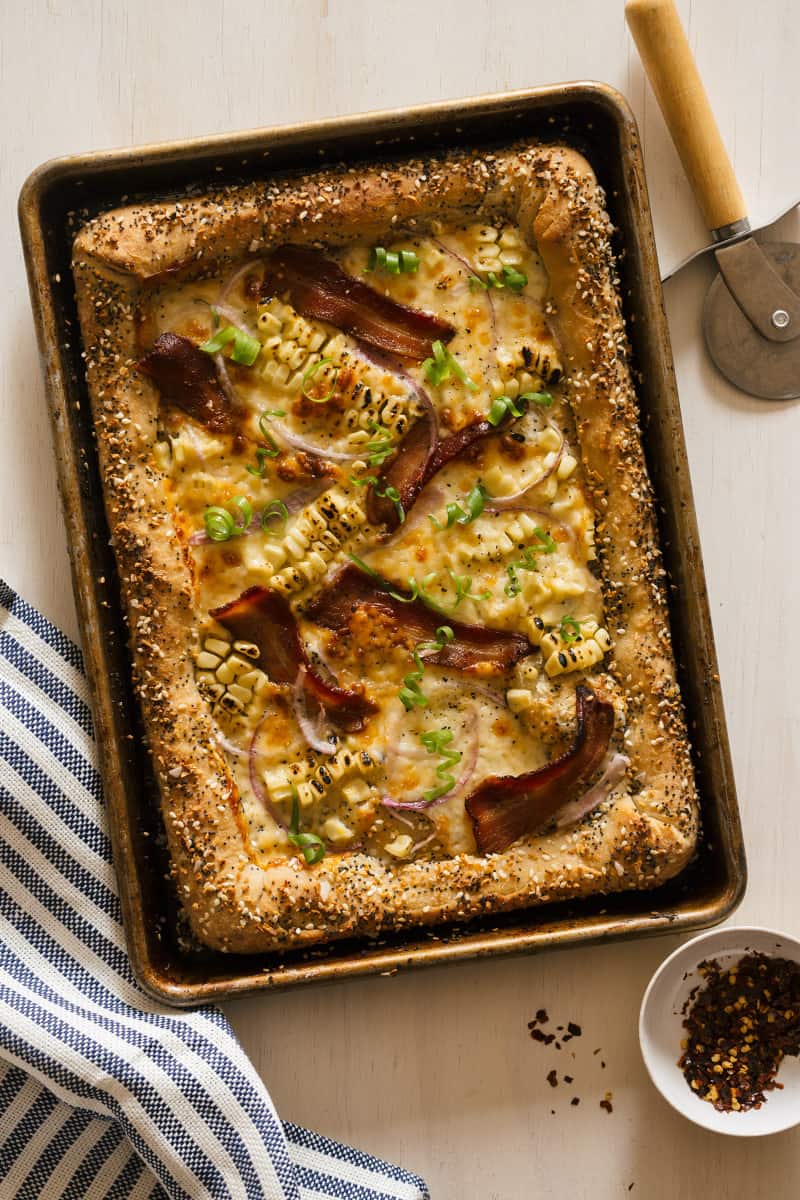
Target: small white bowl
{"type": "Point", "coordinates": [661, 1031]}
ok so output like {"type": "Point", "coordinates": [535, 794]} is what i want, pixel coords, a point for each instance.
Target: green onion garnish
{"type": "Point", "coordinates": [442, 365]}
{"type": "Point", "coordinates": [313, 847]}
{"type": "Point", "coordinates": [245, 349]}
{"type": "Point", "coordinates": [502, 406]}
{"type": "Point", "coordinates": [396, 262]}
{"type": "Point", "coordinates": [309, 374]}
{"type": "Point", "coordinates": [436, 741]}
{"type": "Point", "coordinates": [475, 502]}
{"type": "Point", "coordinates": [387, 492]}
{"type": "Point", "coordinates": [245, 508]}
{"type": "Point", "coordinates": [219, 524]}
{"type": "Point", "coordinates": [569, 630]}
{"type": "Point", "coordinates": [509, 278]}
{"type": "Point", "coordinates": [463, 584]}
{"type": "Point", "coordinates": [381, 447]}
{"type": "Point", "coordinates": [547, 545]}
{"type": "Point", "coordinates": [411, 694]}
{"type": "Point", "coordinates": [526, 563]}
{"type": "Point", "coordinates": [543, 399]}
{"type": "Point", "coordinates": [275, 509]}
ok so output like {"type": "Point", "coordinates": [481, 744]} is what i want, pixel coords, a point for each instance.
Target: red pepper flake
{"type": "Point", "coordinates": [542, 1017]}
{"type": "Point", "coordinates": [575, 1101]}
{"type": "Point", "coordinates": [567, 1079]}
{"type": "Point", "coordinates": [574, 1030]}
{"type": "Point", "coordinates": [552, 1078]}
{"type": "Point", "coordinates": [740, 1025]}
{"type": "Point", "coordinates": [538, 1036]}
{"type": "Point", "coordinates": [606, 1102]}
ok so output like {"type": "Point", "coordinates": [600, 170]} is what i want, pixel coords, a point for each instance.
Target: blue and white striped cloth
{"type": "Point", "coordinates": [104, 1093]}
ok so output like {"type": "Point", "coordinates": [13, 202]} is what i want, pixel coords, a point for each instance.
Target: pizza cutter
{"type": "Point", "coordinates": [751, 316]}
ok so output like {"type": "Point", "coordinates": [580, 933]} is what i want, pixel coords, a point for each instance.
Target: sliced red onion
{"type": "Point", "coordinates": [425, 842]}
{"type": "Point", "coordinates": [300, 443]}
{"type": "Point", "coordinates": [312, 731]}
{"type": "Point", "coordinates": [501, 503]}
{"type": "Point", "coordinates": [225, 381]}
{"type": "Point", "coordinates": [230, 747]}
{"type": "Point", "coordinates": [583, 805]}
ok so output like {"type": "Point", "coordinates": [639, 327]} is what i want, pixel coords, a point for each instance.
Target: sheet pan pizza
{"type": "Point", "coordinates": [386, 542]}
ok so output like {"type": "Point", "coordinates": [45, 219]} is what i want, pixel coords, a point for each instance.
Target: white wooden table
{"type": "Point", "coordinates": [436, 1069]}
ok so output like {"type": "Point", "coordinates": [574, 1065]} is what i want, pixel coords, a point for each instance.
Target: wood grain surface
{"type": "Point", "coordinates": [436, 1069]}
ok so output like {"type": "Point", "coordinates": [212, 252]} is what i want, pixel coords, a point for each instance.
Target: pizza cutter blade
{"type": "Point", "coordinates": [751, 318]}
{"type": "Point", "coordinates": [752, 312]}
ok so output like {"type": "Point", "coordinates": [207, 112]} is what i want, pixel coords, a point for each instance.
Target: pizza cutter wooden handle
{"type": "Point", "coordinates": [672, 71]}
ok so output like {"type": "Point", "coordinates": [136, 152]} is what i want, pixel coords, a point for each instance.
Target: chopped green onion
{"type": "Point", "coordinates": [396, 262]}
{"type": "Point", "coordinates": [411, 694]}
{"type": "Point", "coordinates": [219, 524]}
{"type": "Point", "coordinates": [272, 450]}
{"type": "Point", "coordinates": [464, 589]}
{"type": "Point", "coordinates": [388, 492]}
{"type": "Point", "coordinates": [261, 468]}
{"type": "Point", "coordinates": [381, 447]}
{"type": "Point", "coordinates": [245, 350]}
{"type": "Point", "coordinates": [313, 847]}
{"type": "Point", "coordinates": [513, 279]}
{"type": "Point", "coordinates": [275, 508]}
{"type": "Point", "coordinates": [500, 408]}
{"type": "Point", "coordinates": [526, 563]}
{"type": "Point", "coordinates": [543, 399]}
{"type": "Point", "coordinates": [309, 374]}
{"type": "Point", "coordinates": [442, 365]}
{"type": "Point", "coordinates": [245, 508]}
{"type": "Point", "coordinates": [510, 278]}
{"type": "Point", "coordinates": [547, 545]}
{"type": "Point", "coordinates": [569, 629]}
{"type": "Point", "coordinates": [436, 741]}
{"type": "Point", "coordinates": [475, 502]}
{"type": "Point", "coordinates": [367, 569]}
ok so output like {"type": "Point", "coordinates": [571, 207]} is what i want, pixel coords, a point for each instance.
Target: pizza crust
{"type": "Point", "coordinates": [232, 903]}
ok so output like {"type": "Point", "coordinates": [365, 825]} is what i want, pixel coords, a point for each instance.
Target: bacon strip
{"type": "Point", "coordinates": [319, 288]}
{"type": "Point", "coordinates": [507, 807]}
{"type": "Point", "coordinates": [410, 469]}
{"type": "Point", "coordinates": [471, 645]}
{"type": "Point", "coordinates": [186, 376]}
{"type": "Point", "coordinates": [265, 619]}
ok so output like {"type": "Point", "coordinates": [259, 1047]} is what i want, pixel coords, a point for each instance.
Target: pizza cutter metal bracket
{"type": "Point", "coordinates": [751, 316]}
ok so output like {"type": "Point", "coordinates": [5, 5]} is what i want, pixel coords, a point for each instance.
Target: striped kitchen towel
{"type": "Point", "coordinates": [103, 1091]}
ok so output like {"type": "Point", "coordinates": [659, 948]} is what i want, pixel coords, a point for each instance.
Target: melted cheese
{"type": "Point", "coordinates": [523, 568]}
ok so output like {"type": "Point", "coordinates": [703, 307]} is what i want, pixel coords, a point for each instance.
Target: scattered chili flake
{"type": "Point", "coordinates": [606, 1102]}
{"type": "Point", "coordinates": [542, 1017]}
{"type": "Point", "coordinates": [575, 1101]}
{"type": "Point", "coordinates": [567, 1079]}
{"type": "Point", "coordinates": [552, 1078]}
{"type": "Point", "coordinates": [574, 1030]}
{"type": "Point", "coordinates": [740, 1025]}
{"type": "Point", "coordinates": [538, 1036]}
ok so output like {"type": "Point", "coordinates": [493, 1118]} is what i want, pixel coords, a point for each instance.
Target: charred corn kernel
{"type": "Point", "coordinates": [535, 630]}
{"type": "Point", "coordinates": [486, 233]}
{"type": "Point", "coordinates": [206, 661]}
{"type": "Point", "coordinates": [243, 694]}
{"type": "Point", "coordinates": [400, 847]}
{"type": "Point", "coordinates": [217, 646]}
{"type": "Point", "coordinates": [230, 703]}
{"type": "Point", "coordinates": [518, 699]}
{"type": "Point", "coordinates": [573, 657]}
{"type": "Point", "coordinates": [248, 649]}
{"type": "Point", "coordinates": [335, 830]}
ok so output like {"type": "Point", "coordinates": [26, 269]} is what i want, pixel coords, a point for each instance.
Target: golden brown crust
{"type": "Point", "coordinates": [232, 903]}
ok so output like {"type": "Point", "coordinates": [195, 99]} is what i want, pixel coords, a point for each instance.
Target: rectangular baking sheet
{"type": "Point", "coordinates": [60, 196]}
